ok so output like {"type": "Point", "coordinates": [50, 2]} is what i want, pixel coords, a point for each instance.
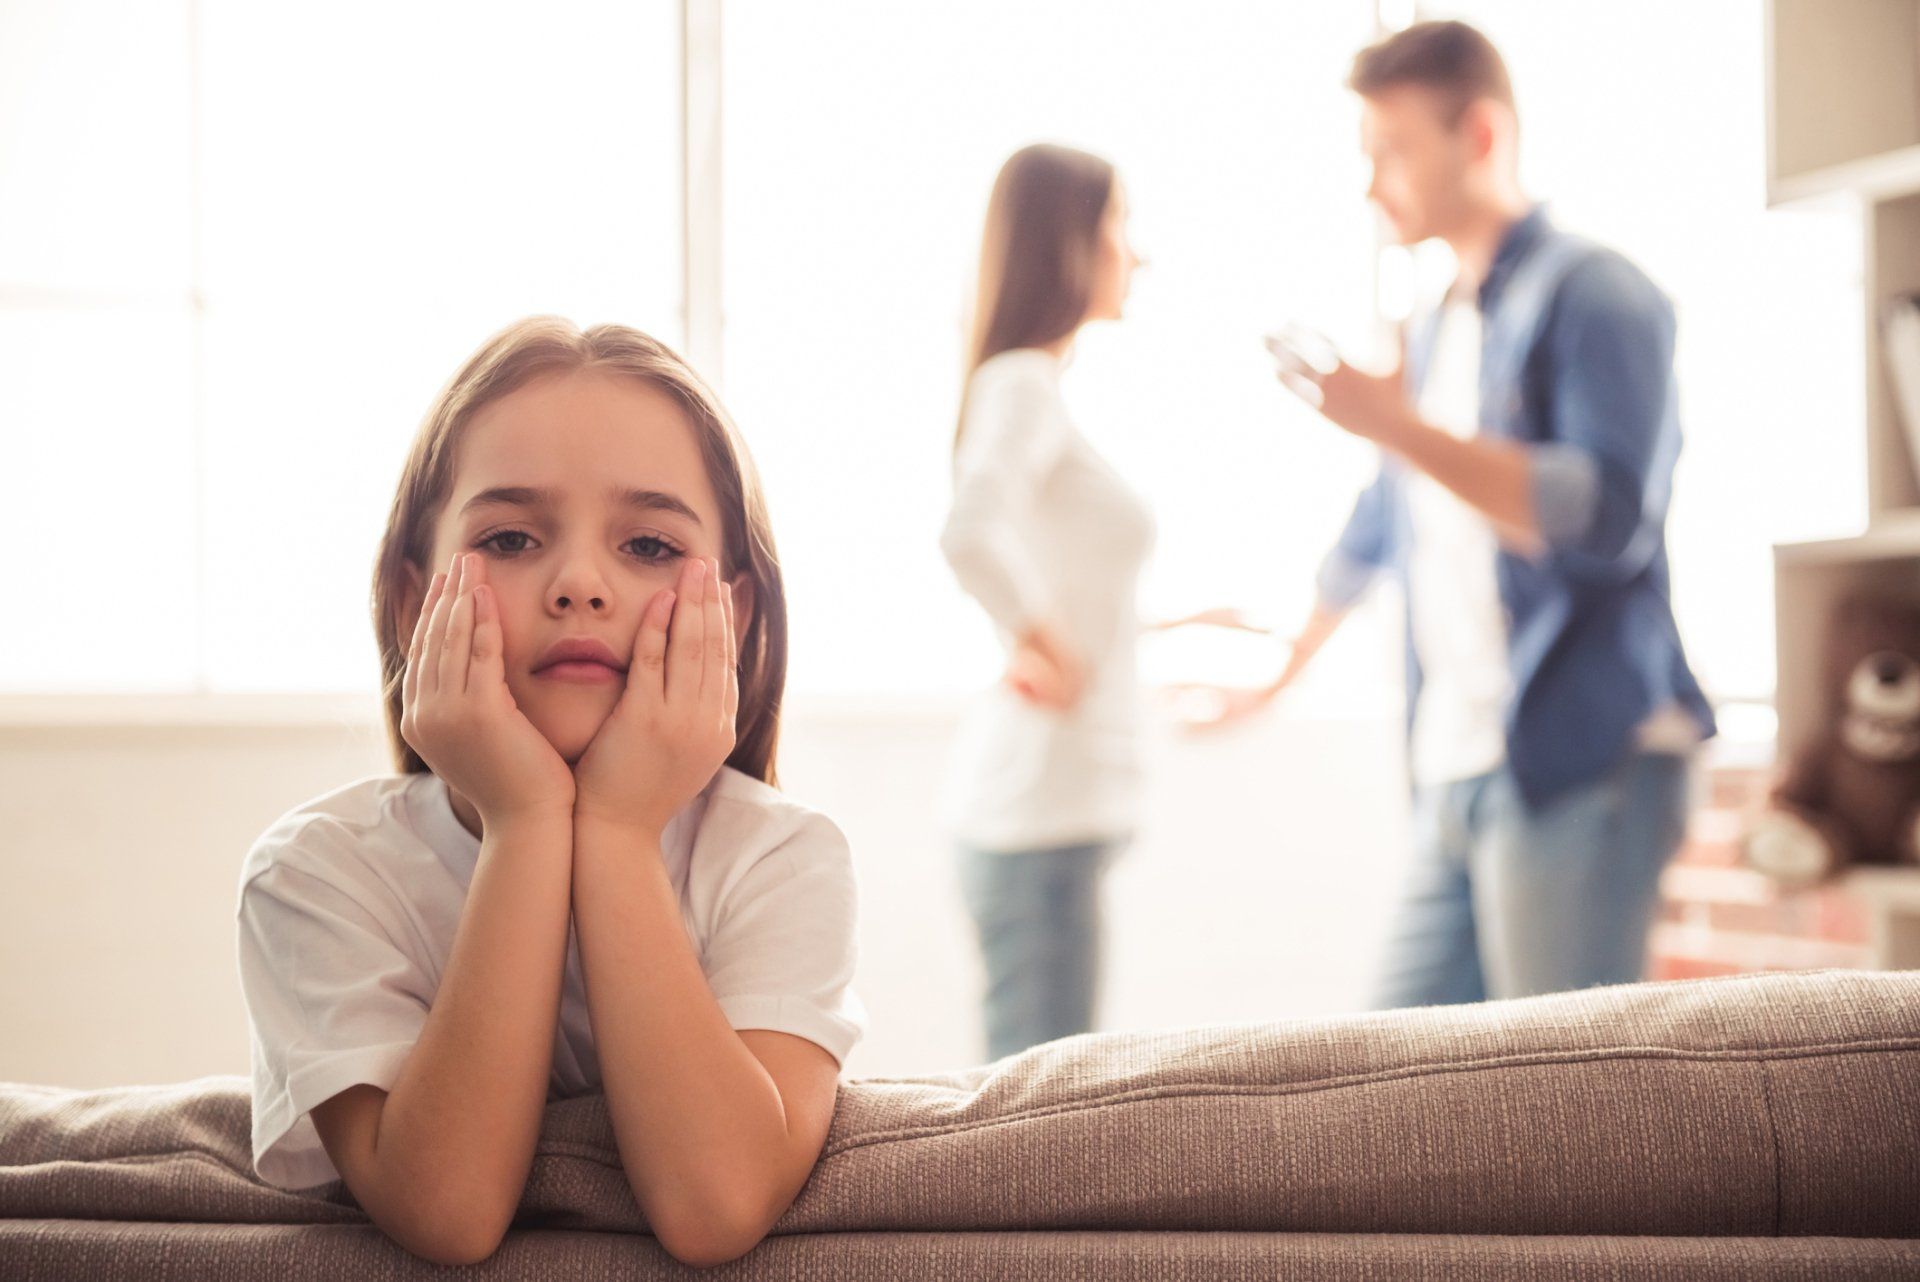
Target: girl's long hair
{"type": "Point", "coordinates": [1038, 252]}
{"type": "Point", "coordinates": [543, 345]}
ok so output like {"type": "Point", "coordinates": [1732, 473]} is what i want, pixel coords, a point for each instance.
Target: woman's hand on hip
{"type": "Point", "coordinates": [1045, 670]}
{"type": "Point", "coordinates": [457, 712]}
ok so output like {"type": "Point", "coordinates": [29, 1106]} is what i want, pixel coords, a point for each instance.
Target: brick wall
{"type": "Point", "coordinates": [1718, 917]}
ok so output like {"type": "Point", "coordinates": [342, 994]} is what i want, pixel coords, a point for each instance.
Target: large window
{"type": "Point", "coordinates": [241, 246]}
{"type": "Point", "coordinates": [1644, 125]}
{"type": "Point", "coordinates": [859, 154]}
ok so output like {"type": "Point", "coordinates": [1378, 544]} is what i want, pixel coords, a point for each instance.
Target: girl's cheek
{"type": "Point", "coordinates": [513, 629]}
{"type": "Point", "coordinates": [668, 572]}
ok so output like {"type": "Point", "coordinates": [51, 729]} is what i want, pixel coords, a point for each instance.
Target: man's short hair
{"type": "Point", "coordinates": [1452, 59]}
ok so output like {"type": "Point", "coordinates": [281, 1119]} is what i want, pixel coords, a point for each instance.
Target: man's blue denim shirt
{"type": "Point", "coordinates": [1591, 640]}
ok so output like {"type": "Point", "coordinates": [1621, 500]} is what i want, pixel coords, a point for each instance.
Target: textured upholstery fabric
{"type": "Point", "coordinates": [1720, 1117]}
{"type": "Point", "coordinates": [46, 1250]}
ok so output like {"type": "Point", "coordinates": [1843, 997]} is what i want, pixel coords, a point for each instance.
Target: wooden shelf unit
{"type": "Point", "coordinates": [1843, 124]}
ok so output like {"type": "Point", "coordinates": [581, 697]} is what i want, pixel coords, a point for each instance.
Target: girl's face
{"type": "Point", "coordinates": [584, 492]}
{"type": "Point", "coordinates": [1113, 262]}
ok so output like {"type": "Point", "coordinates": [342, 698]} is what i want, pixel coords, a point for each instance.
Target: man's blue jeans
{"type": "Point", "coordinates": [1503, 901]}
{"type": "Point", "coordinates": [1037, 914]}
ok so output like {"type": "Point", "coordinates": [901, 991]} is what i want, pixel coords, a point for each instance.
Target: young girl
{"type": "Point", "coordinates": [582, 877]}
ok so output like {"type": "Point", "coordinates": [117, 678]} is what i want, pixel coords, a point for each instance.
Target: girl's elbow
{"type": "Point", "coordinates": [705, 1235]}
{"type": "Point", "coordinates": [451, 1240]}
{"type": "Point", "coordinates": [704, 1246]}
{"type": "Point", "coordinates": [450, 1229]}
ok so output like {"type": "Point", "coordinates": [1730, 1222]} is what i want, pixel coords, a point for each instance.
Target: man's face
{"type": "Point", "coordinates": [1420, 162]}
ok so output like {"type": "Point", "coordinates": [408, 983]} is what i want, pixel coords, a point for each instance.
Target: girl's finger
{"type": "Point", "coordinates": [686, 644]}
{"type": "Point", "coordinates": [646, 671]}
{"type": "Point", "coordinates": [488, 669]}
{"type": "Point", "coordinates": [713, 658]}
{"type": "Point", "coordinates": [430, 665]}
{"type": "Point", "coordinates": [730, 689]}
{"type": "Point", "coordinates": [456, 646]}
{"type": "Point", "coordinates": [416, 648]}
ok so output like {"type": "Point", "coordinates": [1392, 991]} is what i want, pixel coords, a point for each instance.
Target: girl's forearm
{"type": "Point", "coordinates": [456, 1134]}
{"type": "Point", "coordinates": [701, 1126]}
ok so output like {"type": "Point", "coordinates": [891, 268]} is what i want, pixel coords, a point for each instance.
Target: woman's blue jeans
{"type": "Point", "coordinates": [1504, 901]}
{"type": "Point", "coordinates": [1037, 914]}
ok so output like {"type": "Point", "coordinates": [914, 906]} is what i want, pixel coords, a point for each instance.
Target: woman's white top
{"type": "Point", "coordinates": [1044, 530]}
{"type": "Point", "coordinates": [348, 907]}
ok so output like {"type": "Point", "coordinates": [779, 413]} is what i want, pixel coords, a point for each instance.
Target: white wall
{"type": "Point", "coordinates": [1254, 893]}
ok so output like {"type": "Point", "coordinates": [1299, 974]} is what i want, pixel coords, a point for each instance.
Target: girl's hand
{"type": "Point", "coordinates": [458, 714]}
{"type": "Point", "coordinates": [673, 728]}
{"type": "Point", "coordinates": [1044, 669]}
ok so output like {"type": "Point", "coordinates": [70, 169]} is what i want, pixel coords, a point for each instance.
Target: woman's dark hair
{"type": "Point", "coordinates": [1038, 253]}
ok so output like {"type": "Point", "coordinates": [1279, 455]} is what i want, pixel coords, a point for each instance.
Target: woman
{"type": "Point", "coordinates": [1050, 541]}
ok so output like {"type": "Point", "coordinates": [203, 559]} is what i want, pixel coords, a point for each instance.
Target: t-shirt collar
{"type": "Point", "coordinates": [431, 808]}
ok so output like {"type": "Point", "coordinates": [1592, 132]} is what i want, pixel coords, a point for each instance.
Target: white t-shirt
{"type": "Point", "coordinates": [1459, 624]}
{"type": "Point", "coordinates": [348, 907]}
{"type": "Point", "coordinates": [1044, 529]}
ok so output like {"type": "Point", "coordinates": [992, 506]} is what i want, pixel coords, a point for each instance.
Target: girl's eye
{"type": "Point", "coordinates": [649, 548]}
{"type": "Point", "coordinates": [507, 541]}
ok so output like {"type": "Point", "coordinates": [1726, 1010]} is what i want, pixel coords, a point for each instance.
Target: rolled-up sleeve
{"type": "Point", "coordinates": [1601, 480]}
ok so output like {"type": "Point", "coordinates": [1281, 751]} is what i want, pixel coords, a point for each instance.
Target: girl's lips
{"type": "Point", "coordinates": [581, 670]}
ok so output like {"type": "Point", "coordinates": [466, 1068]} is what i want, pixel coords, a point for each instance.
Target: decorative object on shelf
{"type": "Point", "coordinates": [1900, 343]}
{"type": "Point", "coordinates": [1853, 796]}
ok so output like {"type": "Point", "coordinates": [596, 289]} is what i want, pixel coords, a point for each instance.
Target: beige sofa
{"type": "Point", "coordinates": [1762, 1127]}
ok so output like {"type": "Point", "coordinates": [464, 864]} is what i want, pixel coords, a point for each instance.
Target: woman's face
{"type": "Point", "coordinates": [584, 492]}
{"type": "Point", "coordinates": [1113, 261]}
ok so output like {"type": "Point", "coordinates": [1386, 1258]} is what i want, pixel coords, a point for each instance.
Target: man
{"type": "Point", "coordinates": [1526, 465]}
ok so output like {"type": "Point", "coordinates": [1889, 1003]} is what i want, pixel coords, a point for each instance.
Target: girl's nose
{"type": "Point", "coordinates": [579, 585]}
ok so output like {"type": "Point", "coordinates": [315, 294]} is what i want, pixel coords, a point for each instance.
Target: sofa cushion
{"type": "Point", "coordinates": [62, 1250]}
{"type": "Point", "coordinates": [1749, 1106]}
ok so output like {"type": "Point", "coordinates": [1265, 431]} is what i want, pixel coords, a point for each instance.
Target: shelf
{"type": "Point", "coordinates": [1892, 536]}
{"type": "Point", "coordinates": [1811, 583]}
{"type": "Point", "coordinates": [1892, 897]}
{"type": "Point", "coordinates": [1896, 888]}
{"type": "Point", "coordinates": [1883, 177]}
{"type": "Point", "coordinates": [1843, 98]}
{"type": "Point", "coordinates": [1843, 123]}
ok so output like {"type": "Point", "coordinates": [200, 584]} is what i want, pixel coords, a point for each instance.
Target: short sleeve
{"type": "Point", "coordinates": [333, 1003]}
{"type": "Point", "coordinates": [781, 956]}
